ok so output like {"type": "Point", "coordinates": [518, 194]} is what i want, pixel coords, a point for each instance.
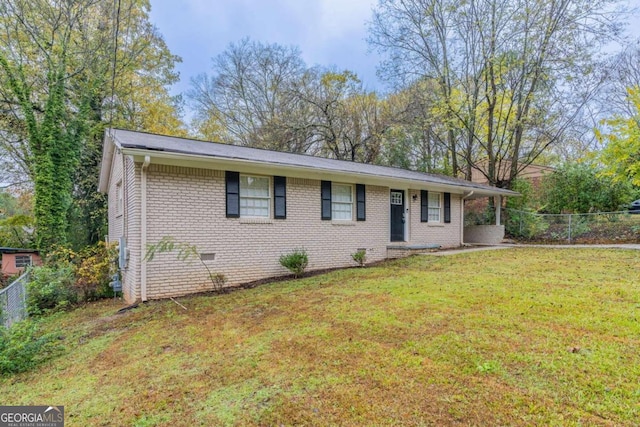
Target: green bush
{"type": "Point", "coordinates": [51, 289]}
{"type": "Point", "coordinates": [360, 256]}
{"type": "Point", "coordinates": [93, 270]}
{"type": "Point", "coordinates": [295, 261]}
{"type": "Point", "coordinates": [22, 347]}
{"type": "Point", "coordinates": [582, 188]}
{"type": "Point", "coordinates": [526, 225]}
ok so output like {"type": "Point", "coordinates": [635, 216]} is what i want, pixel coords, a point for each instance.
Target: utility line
{"type": "Point", "coordinates": [115, 60]}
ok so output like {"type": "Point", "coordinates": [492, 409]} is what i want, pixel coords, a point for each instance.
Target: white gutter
{"type": "Point", "coordinates": [143, 228]}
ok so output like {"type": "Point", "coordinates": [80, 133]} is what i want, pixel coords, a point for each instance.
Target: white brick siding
{"type": "Point", "coordinates": [188, 204]}
{"type": "Point", "coordinates": [125, 172]}
{"type": "Point", "coordinates": [445, 235]}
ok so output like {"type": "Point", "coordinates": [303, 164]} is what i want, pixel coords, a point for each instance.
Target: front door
{"type": "Point", "coordinates": [397, 215]}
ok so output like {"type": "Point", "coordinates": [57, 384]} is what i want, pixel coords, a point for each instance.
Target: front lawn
{"type": "Point", "coordinates": [510, 337]}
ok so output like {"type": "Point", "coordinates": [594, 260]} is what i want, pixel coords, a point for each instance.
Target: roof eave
{"type": "Point", "coordinates": [199, 160]}
{"type": "Point", "coordinates": [108, 147]}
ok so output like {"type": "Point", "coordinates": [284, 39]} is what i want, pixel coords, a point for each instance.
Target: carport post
{"type": "Point", "coordinates": [498, 209]}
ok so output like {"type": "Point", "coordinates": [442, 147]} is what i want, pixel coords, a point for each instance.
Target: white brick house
{"type": "Point", "coordinates": [244, 207]}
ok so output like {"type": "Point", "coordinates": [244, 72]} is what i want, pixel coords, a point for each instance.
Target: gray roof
{"type": "Point", "coordinates": [6, 250]}
{"type": "Point", "coordinates": [159, 143]}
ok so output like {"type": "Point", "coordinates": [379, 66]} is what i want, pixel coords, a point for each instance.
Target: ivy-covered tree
{"type": "Point", "coordinates": [37, 53]}
{"type": "Point", "coordinates": [64, 76]}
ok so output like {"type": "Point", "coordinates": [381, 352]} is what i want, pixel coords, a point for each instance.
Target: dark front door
{"type": "Point", "coordinates": [397, 215]}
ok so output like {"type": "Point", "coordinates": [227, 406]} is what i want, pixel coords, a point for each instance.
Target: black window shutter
{"type": "Point", "coordinates": [233, 194]}
{"type": "Point", "coordinates": [361, 210]}
{"type": "Point", "coordinates": [279, 197]}
{"type": "Point", "coordinates": [325, 187]}
{"type": "Point", "coordinates": [447, 207]}
{"type": "Point", "coordinates": [424, 206]}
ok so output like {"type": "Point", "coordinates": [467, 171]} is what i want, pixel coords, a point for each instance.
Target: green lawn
{"type": "Point", "coordinates": [512, 337]}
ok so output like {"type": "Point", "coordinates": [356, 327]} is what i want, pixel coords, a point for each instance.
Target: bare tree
{"type": "Point", "coordinates": [343, 120]}
{"type": "Point", "coordinates": [513, 76]}
{"type": "Point", "coordinates": [247, 99]}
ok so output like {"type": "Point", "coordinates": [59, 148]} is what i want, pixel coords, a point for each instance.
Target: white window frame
{"type": "Point", "coordinates": [334, 202]}
{"type": "Point", "coordinates": [434, 212]}
{"type": "Point", "coordinates": [267, 198]}
{"type": "Point", "coordinates": [23, 256]}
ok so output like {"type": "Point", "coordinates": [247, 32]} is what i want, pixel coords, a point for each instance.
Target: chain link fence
{"type": "Point", "coordinates": [13, 301]}
{"type": "Point", "coordinates": [601, 227]}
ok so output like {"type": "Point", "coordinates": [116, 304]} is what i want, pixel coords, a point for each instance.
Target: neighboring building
{"type": "Point", "coordinates": [245, 207]}
{"type": "Point", "coordinates": [15, 260]}
{"type": "Point", "coordinates": [532, 173]}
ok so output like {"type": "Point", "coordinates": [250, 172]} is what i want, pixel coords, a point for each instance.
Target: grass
{"type": "Point", "coordinates": [513, 337]}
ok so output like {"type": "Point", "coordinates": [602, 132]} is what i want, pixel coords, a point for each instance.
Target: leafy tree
{"type": "Point", "coordinates": [621, 153]}
{"type": "Point", "coordinates": [53, 134]}
{"type": "Point", "coordinates": [343, 121]}
{"type": "Point", "coordinates": [510, 77]}
{"type": "Point", "coordinates": [16, 221]}
{"type": "Point", "coordinates": [582, 188]}
{"type": "Point", "coordinates": [58, 89]}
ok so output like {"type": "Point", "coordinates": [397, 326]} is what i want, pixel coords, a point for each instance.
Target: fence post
{"type": "Point", "coordinates": [569, 228]}
{"type": "Point", "coordinates": [520, 224]}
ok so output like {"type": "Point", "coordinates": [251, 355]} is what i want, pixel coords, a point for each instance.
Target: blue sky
{"type": "Point", "coordinates": [328, 32]}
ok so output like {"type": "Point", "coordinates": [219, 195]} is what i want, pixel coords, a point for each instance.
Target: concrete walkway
{"type": "Point", "coordinates": [477, 248]}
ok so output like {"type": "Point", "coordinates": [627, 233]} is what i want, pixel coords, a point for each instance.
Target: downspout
{"type": "Point", "coordinates": [143, 227]}
{"type": "Point", "coordinates": [464, 197]}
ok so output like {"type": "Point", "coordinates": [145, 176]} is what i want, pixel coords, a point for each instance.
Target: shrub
{"type": "Point", "coordinates": [50, 289]}
{"type": "Point", "coordinates": [218, 280]}
{"type": "Point", "coordinates": [583, 187]}
{"type": "Point", "coordinates": [93, 272]}
{"type": "Point", "coordinates": [22, 347]}
{"type": "Point", "coordinates": [295, 261]}
{"type": "Point", "coordinates": [360, 256]}
{"type": "Point", "coordinates": [7, 280]}
{"type": "Point", "coordinates": [526, 225]}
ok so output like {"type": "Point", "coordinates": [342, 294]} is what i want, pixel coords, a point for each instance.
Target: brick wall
{"type": "Point", "coordinates": [445, 235]}
{"type": "Point", "coordinates": [189, 205]}
{"type": "Point", "coordinates": [126, 174]}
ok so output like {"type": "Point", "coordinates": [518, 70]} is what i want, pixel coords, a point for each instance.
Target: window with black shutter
{"type": "Point", "coordinates": [447, 207]}
{"type": "Point", "coordinates": [325, 193]}
{"type": "Point", "coordinates": [232, 180]}
{"type": "Point", "coordinates": [424, 206]}
{"type": "Point", "coordinates": [279, 197]}
{"type": "Point", "coordinates": [361, 208]}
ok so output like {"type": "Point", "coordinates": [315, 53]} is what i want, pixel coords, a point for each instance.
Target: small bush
{"type": "Point", "coordinates": [295, 261]}
{"type": "Point", "coordinates": [22, 347]}
{"type": "Point", "coordinates": [50, 289]}
{"type": "Point", "coordinates": [218, 280]}
{"type": "Point", "coordinates": [527, 225]}
{"type": "Point", "coordinates": [93, 272]}
{"type": "Point", "coordinates": [7, 280]}
{"type": "Point", "coordinates": [360, 256]}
